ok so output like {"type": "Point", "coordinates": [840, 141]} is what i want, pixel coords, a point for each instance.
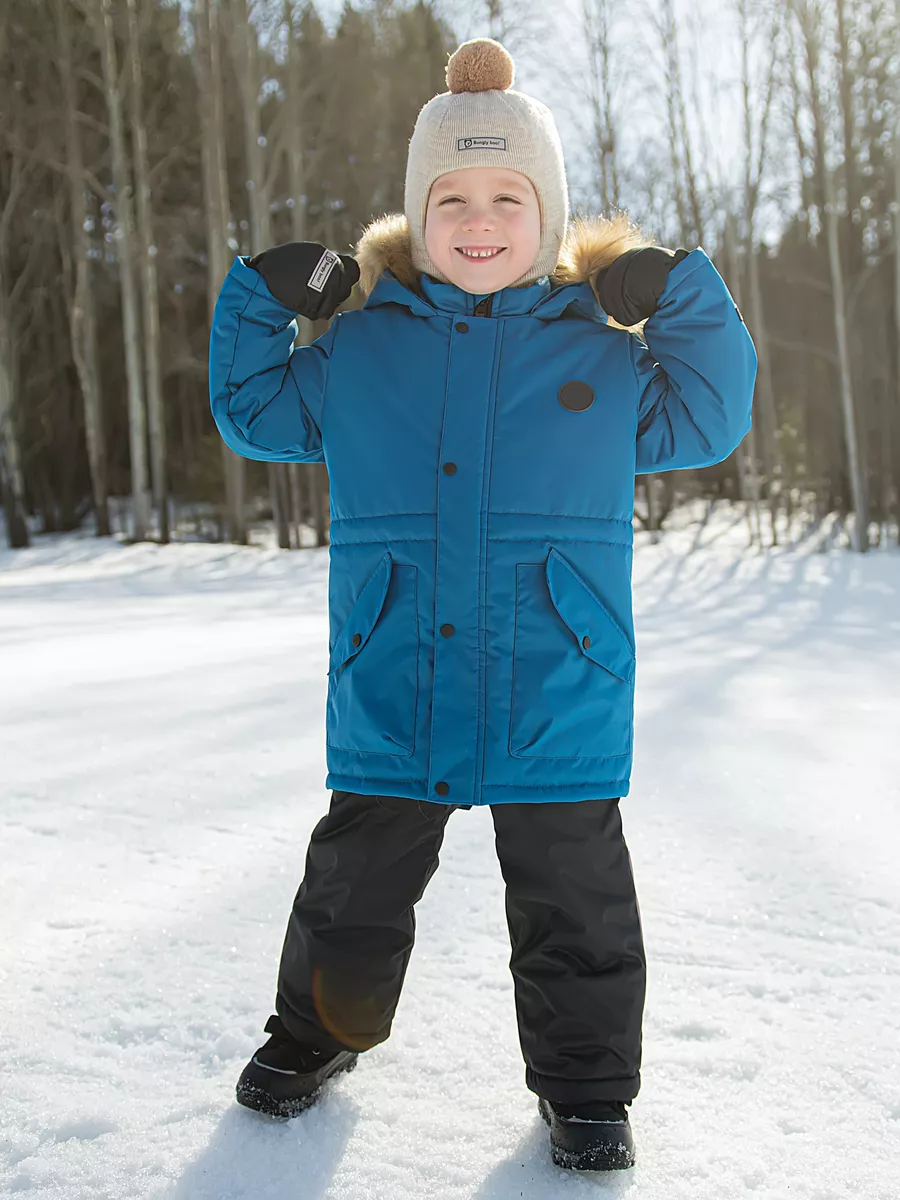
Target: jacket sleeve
{"type": "Point", "coordinates": [266, 396]}
{"type": "Point", "coordinates": [696, 369]}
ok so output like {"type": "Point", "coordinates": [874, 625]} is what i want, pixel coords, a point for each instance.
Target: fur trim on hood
{"type": "Point", "coordinates": [590, 244]}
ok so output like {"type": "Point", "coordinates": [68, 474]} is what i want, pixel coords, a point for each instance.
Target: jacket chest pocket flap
{"type": "Point", "coordinates": [573, 668]}
{"type": "Point", "coordinates": [374, 666]}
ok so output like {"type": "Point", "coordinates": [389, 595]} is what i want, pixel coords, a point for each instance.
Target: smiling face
{"type": "Point", "coordinates": [483, 227]}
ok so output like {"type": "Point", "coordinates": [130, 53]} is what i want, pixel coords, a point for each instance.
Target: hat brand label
{"type": "Point", "coordinates": [481, 143]}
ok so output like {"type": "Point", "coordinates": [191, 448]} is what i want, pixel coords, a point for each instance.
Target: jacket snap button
{"type": "Point", "coordinates": [442, 789]}
{"type": "Point", "coordinates": [356, 639]}
{"type": "Point", "coordinates": [576, 396]}
{"type": "Point", "coordinates": [449, 468]}
{"type": "Point", "coordinates": [447, 630]}
{"type": "Point", "coordinates": [462, 327]}
{"type": "Point", "coordinates": [586, 642]}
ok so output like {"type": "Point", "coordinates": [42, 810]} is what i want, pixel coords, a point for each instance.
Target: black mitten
{"type": "Point", "coordinates": [630, 287]}
{"type": "Point", "coordinates": [307, 278]}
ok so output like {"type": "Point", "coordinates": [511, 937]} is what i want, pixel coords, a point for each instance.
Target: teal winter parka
{"type": "Point", "coordinates": [481, 453]}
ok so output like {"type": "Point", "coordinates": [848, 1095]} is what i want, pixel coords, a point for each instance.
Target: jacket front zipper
{"type": "Point", "coordinates": [483, 307]}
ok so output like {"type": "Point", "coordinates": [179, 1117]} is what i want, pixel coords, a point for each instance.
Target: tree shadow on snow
{"type": "Point", "coordinates": [249, 1155]}
{"type": "Point", "coordinates": [529, 1174]}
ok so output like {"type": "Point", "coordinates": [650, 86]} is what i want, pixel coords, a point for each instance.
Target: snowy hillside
{"type": "Point", "coordinates": [162, 766]}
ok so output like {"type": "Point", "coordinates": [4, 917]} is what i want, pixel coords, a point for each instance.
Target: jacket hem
{"type": "Point", "coordinates": [491, 793]}
{"type": "Point", "coordinates": [538, 793]}
{"type": "Point", "coordinates": [405, 789]}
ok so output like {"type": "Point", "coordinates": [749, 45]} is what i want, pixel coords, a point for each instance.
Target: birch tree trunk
{"type": "Point", "coordinates": [149, 284]}
{"type": "Point", "coordinates": [667, 31]}
{"type": "Point", "coordinates": [666, 28]}
{"type": "Point", "coordinates": [854, 463]}
{"type": "Point", "coordinates": [808, 19]}
{"type": "Point", "coordinates": [20, 165]}
{"type": "Point", "coordinates": [12, 484]}
{"type": "Point", "coordinates": [892, 501]}
{"type": "Point", "coordinates": [309, 480]}
{"type": "Point", "coordinates": [302, 482]}
{"type": "Point", "coordinates": [597, 16]}
{"type": "Point", "coordinates": [746, 452]}
{"type": "Point", "coordinates": [890, 485]}
{"type": "Point", "coordinates": [82, 304]}
{"type": "Point", "coordinates": [126, 256]}
{"type": "Point", "coordinates": [215, 195]}
{"type": "Point", "coordinates": [245, 48]}
{"type": "Point", "coordinates": [755, 144]}
{"type": "Point", "coordinates": [765, 387]}
{"type": "Point", "coordinates": [693, 190]}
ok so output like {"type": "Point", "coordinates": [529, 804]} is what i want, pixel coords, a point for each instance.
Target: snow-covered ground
{"type": "Point", "coordinates": [162, 766]}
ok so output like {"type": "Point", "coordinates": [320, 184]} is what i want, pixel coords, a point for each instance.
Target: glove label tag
{"type": "Point", "coordinates": [324, 267]}
{"type": "Point", "coordinates": [481, 143]}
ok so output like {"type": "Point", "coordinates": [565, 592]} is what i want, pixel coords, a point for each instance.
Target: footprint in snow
{"type": "Point", "coordinates": [693, 1031]}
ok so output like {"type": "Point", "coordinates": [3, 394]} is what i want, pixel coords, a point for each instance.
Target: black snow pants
{"type": "Point", "coordinates": [577, 959]}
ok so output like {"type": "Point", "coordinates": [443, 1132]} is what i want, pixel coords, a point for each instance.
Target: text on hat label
{"type": "Point", "coordinates": [481, 143]}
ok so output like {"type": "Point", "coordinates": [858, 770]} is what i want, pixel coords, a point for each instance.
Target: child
{"type": "Point", "coordinates": [482, 421]}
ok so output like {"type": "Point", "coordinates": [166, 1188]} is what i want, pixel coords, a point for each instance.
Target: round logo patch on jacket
{"type": "Point", "coordinates": [576, 396]}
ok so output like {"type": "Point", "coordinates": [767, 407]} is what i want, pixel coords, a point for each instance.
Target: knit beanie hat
{"type": "Point", "coordinates": [480, 122]}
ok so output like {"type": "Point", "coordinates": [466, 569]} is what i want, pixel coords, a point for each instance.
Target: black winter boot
{"type": "Point", "coordinates": [284, 1076]}
{"type": "Point", "coordinates": [589, 1137]}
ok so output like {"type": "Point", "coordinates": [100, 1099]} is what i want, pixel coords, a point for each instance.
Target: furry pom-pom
{"type": "Point", "coordinates": [481, 65]}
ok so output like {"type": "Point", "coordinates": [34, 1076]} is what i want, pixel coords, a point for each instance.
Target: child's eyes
{"type": "Point", "coordinates": [459, 200]}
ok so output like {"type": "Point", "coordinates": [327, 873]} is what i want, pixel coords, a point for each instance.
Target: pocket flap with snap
{"type": "Point", "coordinates": [595, 629]}
{"type": "Point", "coordinates": [363, 617]}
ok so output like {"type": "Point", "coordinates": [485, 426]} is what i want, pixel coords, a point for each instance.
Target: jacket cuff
{"type": "Point", "coordinates": [250, 280]}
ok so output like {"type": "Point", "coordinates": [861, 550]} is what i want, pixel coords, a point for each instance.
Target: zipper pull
{"type": "Point", "coordinates": [483, 307]}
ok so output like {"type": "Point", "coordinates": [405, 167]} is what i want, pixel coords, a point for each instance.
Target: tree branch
{"type": "Point", "coordinates": [176, 154]}
{"type": "Point", "coordinates": [92, 123]}
{"type": "Point", "coordinates": [805, 348]}
{"type": "Point", "coordinates": [85, 173]}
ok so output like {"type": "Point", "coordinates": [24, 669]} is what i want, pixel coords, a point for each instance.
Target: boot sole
{"type": "Point", "coordinates": [251, 1092]}
{"type": "Point", "coordinates": [592, 1146]}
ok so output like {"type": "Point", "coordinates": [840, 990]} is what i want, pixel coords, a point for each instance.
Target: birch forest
{"type": "Point", "coordinates": [145, 143]}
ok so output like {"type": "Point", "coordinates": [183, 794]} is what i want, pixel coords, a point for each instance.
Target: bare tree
{"type": "Point", "coordinates": [810, 24]}
{"type": "Point", "coordinates": [215, 194]}
{"type": "Point", "coordinates": [857, 480]}
{"type": "Point", "coordinates": [148, 273]}
{"type": "Point", "coordinates": [890, 485]}
{"type": "Point", "coordinates": [684, 178]}
{"type": "Point", "coordinates": [127, 257]}
{"type": "Point", "coordinates": [684, 183]}
{"type": "Point", "coordinates": [80, 297]}
{"type": "Point", "coordinates": [757, 110]}
{"type": "Point", "coordinates": [245, 48]}
{"type": "Point", "coordinates": [597, 22]}
{"type": "Point", "coordinates": [309, 481]}
{"type": "Point", "coordinates": [748, 475]}
{"type": "Point", "coordinates": [17, 165]}
{"type": "Point", "coordinates": [12, 483]}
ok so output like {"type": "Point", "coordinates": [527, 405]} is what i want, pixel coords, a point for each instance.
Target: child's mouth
{"type": "Point", "coordinates": [480, 253]}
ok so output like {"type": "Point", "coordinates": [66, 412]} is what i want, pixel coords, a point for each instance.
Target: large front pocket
{"type": "Point", "coordinates": [573, 668]}
{"type": "Point", "coordinates": [373, 675]}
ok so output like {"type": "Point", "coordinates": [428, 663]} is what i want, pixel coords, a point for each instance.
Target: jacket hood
{"type": "Point", "coordinates": [591, 243]}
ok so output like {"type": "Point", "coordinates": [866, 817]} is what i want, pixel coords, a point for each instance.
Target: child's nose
{"type": "Point", "coordinates": [479, 219]}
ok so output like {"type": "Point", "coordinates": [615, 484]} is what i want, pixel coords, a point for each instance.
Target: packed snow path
{"type": "Point", "coordinates": [162, 766]}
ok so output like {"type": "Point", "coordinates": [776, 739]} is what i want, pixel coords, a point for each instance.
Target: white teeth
{"type": "Point", "coordinates": [479, 253]}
